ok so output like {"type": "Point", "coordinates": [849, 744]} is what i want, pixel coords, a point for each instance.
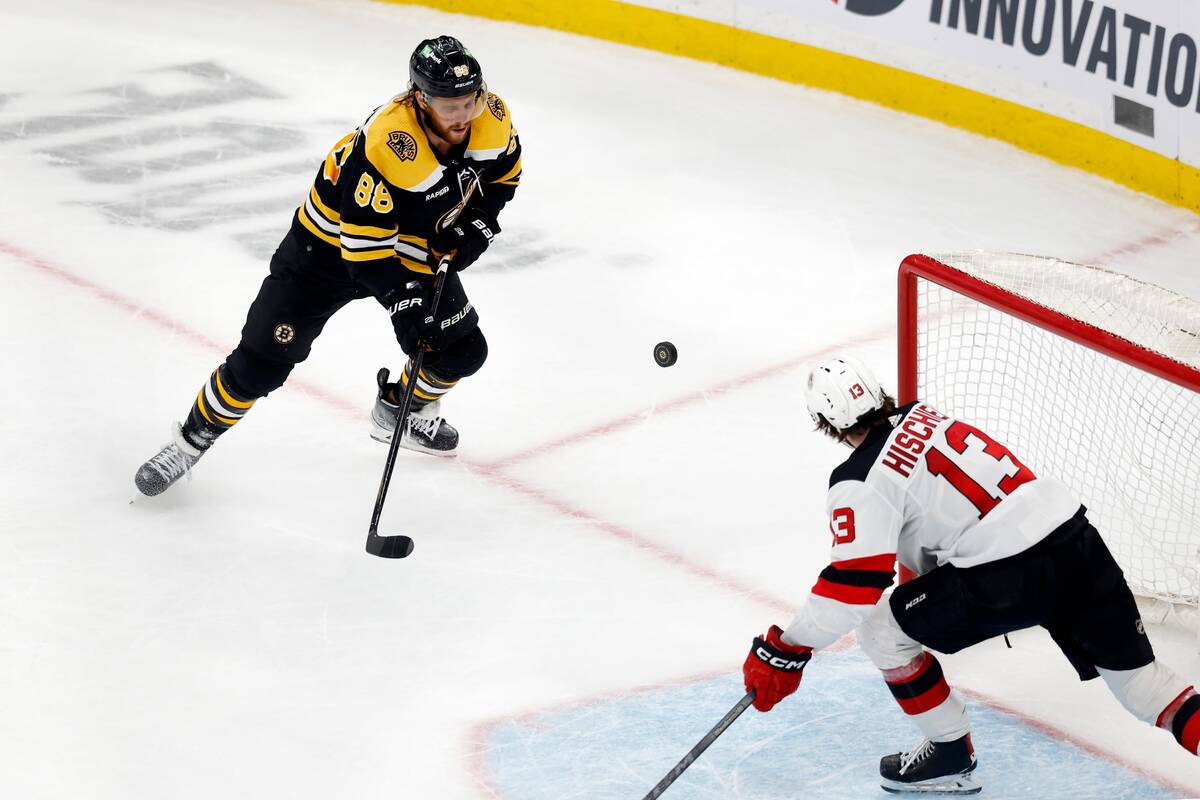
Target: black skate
{"type": "Point", "coordinates": [174, 461]}
{"type": "Point", "coordinates": [426, 431]}
{"type": "Point", "coordinates": [932, 768]}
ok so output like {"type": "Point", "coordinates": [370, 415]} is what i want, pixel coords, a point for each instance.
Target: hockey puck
{"type": "Point", "coordinates": [665, 354]}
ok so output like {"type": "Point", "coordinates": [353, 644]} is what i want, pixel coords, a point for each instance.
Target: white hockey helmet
{"type": "Point", "coordinates": [841, 390]}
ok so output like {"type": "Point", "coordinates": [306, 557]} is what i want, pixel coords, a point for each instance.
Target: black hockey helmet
{"type": "Point", "coordinates": [442, 67]}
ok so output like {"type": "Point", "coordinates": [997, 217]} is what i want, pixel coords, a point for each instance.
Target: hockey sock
{"type": "Point", "coordinates": [922, 692]}
{"type": "Point", "coordinates": [430, 386]}
{"type": "Point", "coordinates": [1182, 718]}
{"type": "Point", "coordinates": [1146, 691]}
{"type": "Point", "coordinates": [218, 407]}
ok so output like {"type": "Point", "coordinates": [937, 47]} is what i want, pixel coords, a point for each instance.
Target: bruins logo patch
{"type": "Point", "coordinates": [284, 333]}
{"type": "Point", "coordinates": [403, 145]}
{"type": "Point", "coordinates": [496, 106]}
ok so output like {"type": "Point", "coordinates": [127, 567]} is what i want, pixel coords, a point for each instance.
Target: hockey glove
{"type": "Point", "coordinates": [465, 239]}
{"type": "Point", "coordinates": [409, 307]}
{"type": "Point", "coordinates": [411, 300]}
{"type": "Point", "coordinates": [774, 668]}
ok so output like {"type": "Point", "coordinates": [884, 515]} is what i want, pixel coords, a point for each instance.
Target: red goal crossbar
{"type": "Point", "coordinates": [926, 268]}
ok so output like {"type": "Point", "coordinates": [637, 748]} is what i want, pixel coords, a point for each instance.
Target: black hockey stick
{"type": "Point", "coordinates": [701, 746]}
{"type": "Point", "coordinates": [399, 545]}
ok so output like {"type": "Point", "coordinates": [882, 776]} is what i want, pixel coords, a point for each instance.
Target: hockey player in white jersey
{"type": "Point", "coordinates": [990, 548]}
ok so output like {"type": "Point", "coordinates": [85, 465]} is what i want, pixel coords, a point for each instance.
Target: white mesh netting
{"type": "Point", "coordinates": [1126, 440]}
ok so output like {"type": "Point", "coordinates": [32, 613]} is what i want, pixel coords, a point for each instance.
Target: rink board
{"type": "Point", "coordinates": [825, 741]}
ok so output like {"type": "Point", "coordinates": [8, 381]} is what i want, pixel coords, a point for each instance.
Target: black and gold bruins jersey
{"type": "Point", "coordinates": [383, 189]}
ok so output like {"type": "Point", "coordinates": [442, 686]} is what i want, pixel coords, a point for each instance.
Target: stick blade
{"type": "Point", "coordinates": [389, 546]}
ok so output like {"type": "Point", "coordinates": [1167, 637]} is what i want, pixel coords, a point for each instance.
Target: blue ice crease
{"type": "Point", "coordinates": [823, 742]}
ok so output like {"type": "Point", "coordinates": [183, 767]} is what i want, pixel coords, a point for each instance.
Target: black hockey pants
{"type": "Point", "coordinates": [1068, 583]}
{"type": "Point", "coordinates": [304, 289]}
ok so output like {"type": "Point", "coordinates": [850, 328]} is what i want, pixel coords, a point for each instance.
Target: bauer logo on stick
{"type": "Point", "coordinates": [665, 354]}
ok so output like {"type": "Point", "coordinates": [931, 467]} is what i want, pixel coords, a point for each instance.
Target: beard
{"type": "Point", "coordinates": [446, 133]}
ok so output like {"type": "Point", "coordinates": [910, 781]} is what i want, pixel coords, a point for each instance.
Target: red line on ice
{"type": "Point", "coordinates": [494, 471]}
{"type": "Point", "coordinates": [160, 320]}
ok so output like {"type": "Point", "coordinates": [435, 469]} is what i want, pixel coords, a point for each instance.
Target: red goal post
{"type": "Point", "coordinates": [1086, 373]}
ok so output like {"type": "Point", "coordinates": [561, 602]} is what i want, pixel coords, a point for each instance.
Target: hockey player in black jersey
{"type": "Point", "coordinates": [425, 176]}
{"type": "Point", "coordinates": [991, 548]}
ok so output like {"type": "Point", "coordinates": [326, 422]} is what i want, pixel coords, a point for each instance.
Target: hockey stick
{"type": "Point", "coordinates": [399, 545]}
{"type": "Point", "coordinates": [701, 746]}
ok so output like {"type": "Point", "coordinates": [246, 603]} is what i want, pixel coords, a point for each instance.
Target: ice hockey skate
{"type": "Point", "coordinates": [172, 462]}
{"type": "Point", "coordinates": [932, 768]}
{"type": "Point", "coordinates": [426, 431]}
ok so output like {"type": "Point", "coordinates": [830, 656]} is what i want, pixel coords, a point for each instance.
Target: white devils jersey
{"type": "Point", "coordinates": [931, 490]}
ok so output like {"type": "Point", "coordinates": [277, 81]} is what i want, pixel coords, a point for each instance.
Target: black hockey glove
{"type": "Point", "coordinates": [409, 309]}
{"type": "Point", "coordinates": [466, 239]}
{"type": "Point", "coordinates": [410, 301]}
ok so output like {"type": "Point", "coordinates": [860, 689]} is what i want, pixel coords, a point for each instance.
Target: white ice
{"type": "Point", "coordinates": [609, 524]}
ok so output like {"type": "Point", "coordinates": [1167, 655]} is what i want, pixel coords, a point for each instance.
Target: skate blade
{"type": "Point", "coordinates": [954, 784]}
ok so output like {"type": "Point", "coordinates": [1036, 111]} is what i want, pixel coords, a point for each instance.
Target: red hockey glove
{"type": "Point", "coordinates": [774, 668]}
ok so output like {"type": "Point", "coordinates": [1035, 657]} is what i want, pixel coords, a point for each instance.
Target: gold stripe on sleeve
{"type": "Point", "coordinates": [416, 266]}
{"type": "Point", "coordinates": [368, 255]}
{"type": "Point", "coordinates": [516, 170]}
{"type": "Point", "coordinates": [329, 214]}
{"type": "Point", "coordinates": [312, 228]}
{"type": "Point", "coordinates": [369, 231]}
{"type": "Point", "coordinates": [417, 241]}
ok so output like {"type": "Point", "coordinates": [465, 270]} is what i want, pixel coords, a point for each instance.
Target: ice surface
{"type": "Point", "coordinates": [825, 742]}
{"type": "Point", "coordinates": [609, 525]}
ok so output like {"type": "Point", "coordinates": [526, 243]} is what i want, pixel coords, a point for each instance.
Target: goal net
{"type": "Point", "coordinates": [1086, 374]}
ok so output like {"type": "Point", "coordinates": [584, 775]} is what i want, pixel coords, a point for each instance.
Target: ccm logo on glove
{"type": "Point", "coordinates": [780, 662]}
{"type": "Point", "coordinates": [773, 668]}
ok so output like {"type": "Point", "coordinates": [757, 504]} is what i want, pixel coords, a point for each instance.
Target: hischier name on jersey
{"type": "Point", "coordinates": [985, 546]}
{"type": "Point", "coordinates": [936, 469]}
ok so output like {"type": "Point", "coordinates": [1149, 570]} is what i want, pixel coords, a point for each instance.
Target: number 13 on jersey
{"type": "Point", "coordinates": [966, 439]}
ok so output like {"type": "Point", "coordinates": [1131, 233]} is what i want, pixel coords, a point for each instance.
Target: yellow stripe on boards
{"type": "Point", "coordinates": [1037, 132]}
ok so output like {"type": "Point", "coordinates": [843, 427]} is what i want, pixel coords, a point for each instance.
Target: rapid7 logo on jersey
{"type": "Point", "coordinates": [981, 469]}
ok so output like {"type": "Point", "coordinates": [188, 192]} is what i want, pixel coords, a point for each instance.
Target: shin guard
{"type": "Point", "coordinates": [922, 692]}
{"type": "Point", "coordinates": [1182, 718]}
{"type": "Point", "coordinates": [218, 407]}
